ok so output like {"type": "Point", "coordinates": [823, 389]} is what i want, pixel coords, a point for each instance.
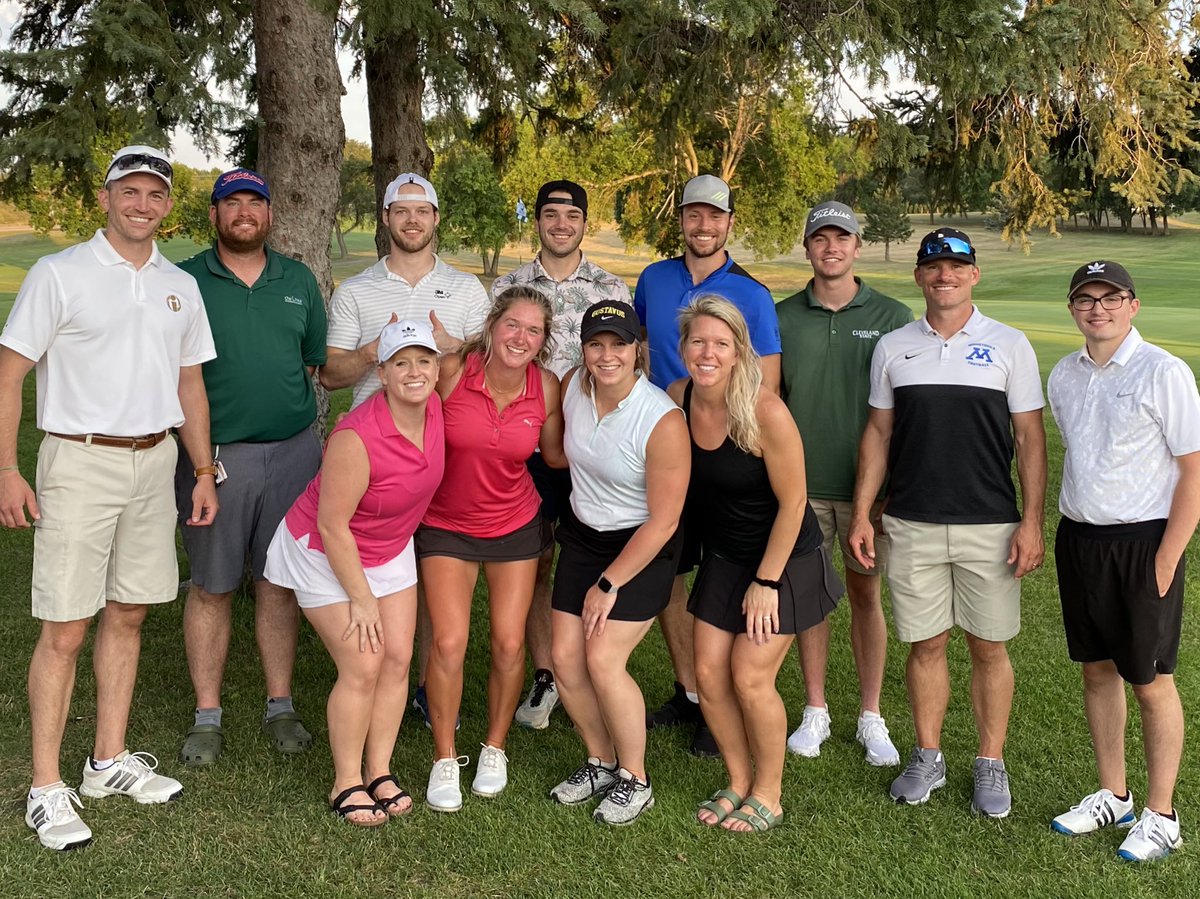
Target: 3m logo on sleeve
{"type": "Point", "coordinates": [980, 354]}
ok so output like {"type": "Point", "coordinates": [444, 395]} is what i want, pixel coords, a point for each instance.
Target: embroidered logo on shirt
{"type": "Point", "coordinates": [295, 301]}
{"type": "Point", "coordinates": [441, 294]}
{"type": "Point", "coordinates": [980, 354]}
{"type": "Point", "coordinates": [173, 303]}
{"type": "Point", "coordinates": [866, 335]}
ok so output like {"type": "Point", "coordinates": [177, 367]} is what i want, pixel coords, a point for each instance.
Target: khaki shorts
{"type": "Point", "coordinates": [107, 530]}
{"type": "Point", "coordinates": [944, 575]}
{"type": "Point", "coordinates": [834, 516]}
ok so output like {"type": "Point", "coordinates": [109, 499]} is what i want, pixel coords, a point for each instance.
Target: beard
{"type": "Point", "coordinates": [240, 241]}
{"type": "Point", "coordinates": [413, 244]}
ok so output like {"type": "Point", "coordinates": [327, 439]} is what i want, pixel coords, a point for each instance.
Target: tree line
{"type": "Point", "coordinates": [1040, 111]}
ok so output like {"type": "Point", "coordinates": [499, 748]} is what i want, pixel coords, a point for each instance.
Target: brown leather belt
{"type": "Point", "coordinates": [146, 441]}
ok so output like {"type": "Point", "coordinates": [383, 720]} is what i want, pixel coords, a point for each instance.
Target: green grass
{"type": "Point", "coordinates": [256, 824]}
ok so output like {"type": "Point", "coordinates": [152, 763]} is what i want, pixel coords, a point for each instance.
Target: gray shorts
{"type": "Point", "coordinates": [263, 481]}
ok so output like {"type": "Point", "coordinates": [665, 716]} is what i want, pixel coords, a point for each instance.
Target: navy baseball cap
{"type": "Point", "coordinates": [240, 179]}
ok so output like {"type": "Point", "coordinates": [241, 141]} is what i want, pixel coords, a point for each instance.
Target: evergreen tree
{"type": "Point", "coordinates": [887, 222]}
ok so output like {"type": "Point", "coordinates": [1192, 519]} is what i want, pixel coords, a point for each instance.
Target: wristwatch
{"type": "Point", "coordinates": [605, 585]}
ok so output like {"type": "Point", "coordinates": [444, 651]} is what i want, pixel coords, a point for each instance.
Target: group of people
{"type": "Point", "coordinates": [651, 437]}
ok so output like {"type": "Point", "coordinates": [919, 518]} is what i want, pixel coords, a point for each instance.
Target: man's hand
{"type": "Point", "coordinates": [861, 540]}
{"type": "Point", "coordinates": [204, 501]}
{"type": "Point", "coordinates": [1027, 548]}
{"type": "Point", "coordinates": [445, 343]}
{"type": "Point", "coordinates": [371, 350]}
{"type": "Point", "coordinates": [15, 497]}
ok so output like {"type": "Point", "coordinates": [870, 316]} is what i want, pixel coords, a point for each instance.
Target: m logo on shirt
{"type": "Point", "coordinates": [981, 354]}
{"type": "Point", "coordinates": [173, 303]}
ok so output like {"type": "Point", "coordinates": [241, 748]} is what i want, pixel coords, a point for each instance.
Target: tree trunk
{"type": "Point", "coordinates": [887, 250]}
{"type": "Point", "coordinates": [341, 239]}
{"type": "Point", "coordinates": [300, 144]}
{"type": "Point", "coordinates": [395, 87]}
{"type": "Point", "coordinates": [302, 135]}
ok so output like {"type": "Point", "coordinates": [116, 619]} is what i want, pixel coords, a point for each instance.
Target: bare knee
{"type": "Point", "coordinates": [987, 653]}
{"type": "Point", "coordinates": [712, 674]}
{"type": "Point", "coordinates": [63, 639]}
{"type": "Point", "coordinates": [361, 674]}
{"type": "Point", "coordinates": [751, 683]}
{"type": "Point", "coordinates": [1160, 690]}
{"type": "Point", "coordinates": [603, 665]}
{"type": "Point", "coordinates": [124, 615]}
{"type": "Point", "coordinates": [508, 652]}
{"type": "Point", "coordinates": [449, 649]}
{"type": "Point", "coordinates": [1100, 675]}
{"type": "Point", "coordinates": [931, 650]}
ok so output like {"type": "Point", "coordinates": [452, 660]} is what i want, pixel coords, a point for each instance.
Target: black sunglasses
{"type": "Point", "coordinates": [132, 161]}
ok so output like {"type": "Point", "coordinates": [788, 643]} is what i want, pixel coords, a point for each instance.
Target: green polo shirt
{"type": "Point", "coordinates": [266, 336]}
{"type": "Point", "coordinates": [826, 367]}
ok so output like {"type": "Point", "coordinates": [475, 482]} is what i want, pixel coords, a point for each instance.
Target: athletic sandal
{"type": "Point", "coordinates": [287, 732]}
{"type": "Point", "coordinates": [387, 803]}
{"type": "Point", "coordinates": [712, 804]}
{"type": "Point", "coordinates": [338, 807]}
{"type": "Point", "coordinates": [202, 745]}
{"type": "Point", "coordinates": [760, 818]}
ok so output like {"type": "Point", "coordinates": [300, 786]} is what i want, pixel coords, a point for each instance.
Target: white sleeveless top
{"type": "Point", "coordinates": [608, 455]}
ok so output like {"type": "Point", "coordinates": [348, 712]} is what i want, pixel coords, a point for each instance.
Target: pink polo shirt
{"type": "Point", "coordinates": [487, 491]}
{"type": "Point", "coordinates": [402, 481]}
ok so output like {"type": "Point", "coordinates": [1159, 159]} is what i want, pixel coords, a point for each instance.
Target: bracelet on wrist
{"type": "Point", "coordinates": [766, 582]}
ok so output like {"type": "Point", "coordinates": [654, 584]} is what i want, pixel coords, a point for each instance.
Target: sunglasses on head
{"type": "Point", "coordinates": [132, 161]}
{"type": "Point", "coordinates": [941, 245]}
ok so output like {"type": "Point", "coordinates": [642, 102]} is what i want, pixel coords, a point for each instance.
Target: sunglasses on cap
{"type": "Point", "coordinates": [138, 161]}
{"type": "Point", "coordinates": [940, 245]}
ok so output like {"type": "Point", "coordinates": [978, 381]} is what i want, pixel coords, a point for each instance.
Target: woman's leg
{"type": "Point", "coordinates": [510, 591]}
{"type": "Point", "coordinates": [620, 698]}
{"type": "Point", "coordinates": [350, 704]}
{"type": "Point", "coordinates": [713, 649]}
{"type": "Point", "coordinates": [398, 612]}
{"type": "Point", "coordinates": [449, 585]}
{"type": "Point", "coordinates": [575, 686]}
{"type": "Point", "coordinates": [754, 671]}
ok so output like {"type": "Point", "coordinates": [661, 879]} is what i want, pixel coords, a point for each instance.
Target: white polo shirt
{"type": "Point", "coordinates": [951, 451]}
{"type": "Point", "coordinates": [1123, 423]}
{"type": "Point", "coordinates": [108, 339]}
{"type": "Point", "coordinates": [363, 303]}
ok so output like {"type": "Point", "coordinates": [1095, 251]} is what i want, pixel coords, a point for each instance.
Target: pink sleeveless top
{"type": "Point", "coordinates": [487, 491]}
{"type": "Point", "coordinates": [402, 481]}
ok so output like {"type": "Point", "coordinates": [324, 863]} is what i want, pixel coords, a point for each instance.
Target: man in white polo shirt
{"type": "Point", "coordinates": [952, 395]}
{"type": "Point", "coordinates": [1129, 414]}
{"type": "Point", "coordinates": [411, 281]}
{"type": "Point", "coordinates": [117, 334]}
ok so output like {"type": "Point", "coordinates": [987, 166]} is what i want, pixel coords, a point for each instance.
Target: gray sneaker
{"type": "Point", "coordinates": [627, 799]}
{"type": "Point", "coordinates": [991, 797]}
{"type": "Point", "coordinates": [590, 779]}
{"type": "Point", "coordinates": [926, 772]}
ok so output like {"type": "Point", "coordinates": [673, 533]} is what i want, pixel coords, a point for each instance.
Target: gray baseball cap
{"type": "Point", "coordinates": [833, 214]}
{"type": "Point", "coordinates": [707, 189]}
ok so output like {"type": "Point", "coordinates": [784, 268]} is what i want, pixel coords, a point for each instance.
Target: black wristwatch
{"type": "Point", "coordinates": [605, 585]}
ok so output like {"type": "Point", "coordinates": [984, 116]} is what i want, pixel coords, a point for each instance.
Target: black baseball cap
{"type": "Point", "coordinates": [1101, 270]}
{"type": "Point", "coordinates": [613, 316]}
{"type": "Point", "coordinates": [946, 243]}
{"type": "Point", "coordinates": [578, 196]}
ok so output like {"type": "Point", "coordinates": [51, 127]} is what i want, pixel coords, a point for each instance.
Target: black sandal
{"type": "Point", "coordinates": [389, 802]}
{"type": "Point", "coordinates": [338, 807]}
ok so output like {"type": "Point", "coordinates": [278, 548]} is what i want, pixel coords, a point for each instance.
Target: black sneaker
{"type": "Point", "coordinates": [676, 710]}
{"type": "Point", "coordinates": [704, 744]}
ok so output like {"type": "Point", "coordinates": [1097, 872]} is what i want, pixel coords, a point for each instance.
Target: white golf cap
{"type": "Point", "coordinates": [405, 333]}
{"type": "Point", "coordinates": [403, 189]}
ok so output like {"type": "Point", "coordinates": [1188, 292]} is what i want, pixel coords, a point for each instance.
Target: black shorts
{"type": "Point", "coordinates": [553, 486]}
{"type": "Point", "coordinates": [1110, 602]}
{"type": "Point", "coordinates": [526, 542]}
{"type": "Point", "coordinates": [586, 553]}
{"type": "Point", "coordinates": [808, 591]}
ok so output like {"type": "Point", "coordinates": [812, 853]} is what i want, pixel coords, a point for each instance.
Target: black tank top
{"type": "Point", "coordinates": [730, 502]}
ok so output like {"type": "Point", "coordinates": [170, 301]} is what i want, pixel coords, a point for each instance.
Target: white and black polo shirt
{"type": "Point", "coordinates": [950, 459]}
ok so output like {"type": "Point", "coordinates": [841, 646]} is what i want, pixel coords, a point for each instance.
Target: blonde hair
{"type": "Point", "coordinates": [741, 392]}
{"type": "Point", "coordinates": [482, 342]}
{"type": "Point", "coordinates": [641, 365]}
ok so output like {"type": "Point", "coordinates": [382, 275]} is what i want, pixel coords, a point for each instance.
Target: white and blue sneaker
{"type": "Point", "coordinates": [1154, 836]}
{"type": "Point", "coordinates": [1094, 811]}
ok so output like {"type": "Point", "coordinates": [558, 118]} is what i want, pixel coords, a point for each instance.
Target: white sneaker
{"type": "Point", "coordinates": [491, 774]}
{"type": "Point", "coordinates": [443, 794]}
{"type": "Point", "coordinates": [1154, 836]}
{"type": "Point", "coordinates": [535, 711]}
{"type": "Point", "coordinates": [875, 739]}
{"type": "Point", "coordinates": [806, 739]}
{"type": "Point", "coordinates": [54, 818]}
{"type": "Point", "coordinates": [1096, 810]}
{"type": "Point", "coordinates": [131, 774]}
